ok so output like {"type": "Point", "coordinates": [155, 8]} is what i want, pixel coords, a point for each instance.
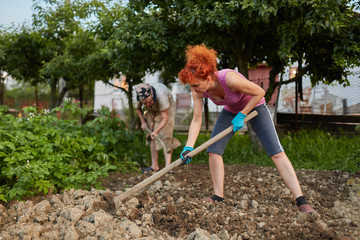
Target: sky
{"type": "Point", "coordinates": [16, 11]}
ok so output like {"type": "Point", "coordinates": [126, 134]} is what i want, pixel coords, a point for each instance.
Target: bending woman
{"type": "Point", "coordinates": [239, 97]}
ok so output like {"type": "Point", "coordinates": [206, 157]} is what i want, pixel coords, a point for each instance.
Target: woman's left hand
{"type": "Point", "coordinates": [238, 121]}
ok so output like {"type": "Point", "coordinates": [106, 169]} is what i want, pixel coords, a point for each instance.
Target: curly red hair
{"type": "Point", "coordinates": [200, 63]}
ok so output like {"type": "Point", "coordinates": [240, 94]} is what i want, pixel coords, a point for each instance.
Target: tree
{"type": "Point", "coordinates": [278, 32]}
{"type": "Point", "coordinates": [322, 37]}
{"type": "Point", "coordinates": [25, 52]}
{"type": "Point", "coordinates": [132, 42]}
{"type": "Point", "coordinates": [66, 24]}
{"type": "Point", "coordinates": [176, 38]}
{"type": "Point", "coordinates": [72, 65]}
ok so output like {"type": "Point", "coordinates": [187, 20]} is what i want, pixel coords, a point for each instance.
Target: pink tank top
{"type": "Point", "coordinates": [234, 101]}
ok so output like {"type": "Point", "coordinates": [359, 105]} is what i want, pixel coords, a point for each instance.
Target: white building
{"type": "Point", "coordinates": [333, 99]}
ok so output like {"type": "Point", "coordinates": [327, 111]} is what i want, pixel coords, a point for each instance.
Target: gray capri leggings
{"type": "Point", "coordinates": [262, 124]}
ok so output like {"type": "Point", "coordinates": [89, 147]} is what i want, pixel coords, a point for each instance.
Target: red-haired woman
{"type": "Point", "coordinates": [239, 97]}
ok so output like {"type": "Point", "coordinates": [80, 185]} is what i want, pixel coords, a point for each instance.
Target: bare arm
{"type": "Point", "coordinates": [196, 120]}
{"type": "Point", "coordinates": [242, 85]}
{"type": "Point", "coordinates": [141, 117]}
{"type": "Point", "coordinates": [164, 120]}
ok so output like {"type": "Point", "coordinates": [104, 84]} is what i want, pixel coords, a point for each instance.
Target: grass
{"type": "Point", "coordinates": [308, 149]}
{"type": "Point", "coordinates": [319, 150]}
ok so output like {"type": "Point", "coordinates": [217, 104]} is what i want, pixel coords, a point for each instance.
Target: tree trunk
{"type": "Point", "coordinates": [53, 93]}
{"type": "Point", "coordinates": [61, 96]}
{"type": "Point", "coordinates": [2, 91]}
{"type": "Point", "coordinates": [272, 84]}
{"type": "Point", "coordinates": [206, 113]}
{"type": "Point", "coordinates": [37, 98]}
{"type": "Point", "coordinates": [131, 103]}
{"type": "Point", "coordinates": [278, 97]}
{"type": "Point", "coordinates": [243, 68]}
{"type": "Point", "coordinates": [298, 91]}
{"type": "Point", "coordinates": [81, 96]}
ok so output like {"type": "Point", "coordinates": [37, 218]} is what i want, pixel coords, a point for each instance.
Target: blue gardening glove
{"type": "Point", "coordinates": [238, 121]}
{"type": "Point", "coordinates": [185, 151]}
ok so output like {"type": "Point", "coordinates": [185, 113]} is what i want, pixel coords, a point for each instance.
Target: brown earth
{"type": "Point", "coordinates": [257, 206]}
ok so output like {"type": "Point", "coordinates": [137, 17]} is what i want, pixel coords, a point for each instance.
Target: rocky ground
{"type": "Point", "coordinates": [257, 206]}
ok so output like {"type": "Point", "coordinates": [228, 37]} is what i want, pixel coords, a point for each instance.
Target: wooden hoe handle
{"type": "Point", "coordinates": [157, 139]}
{"type": "Point", "coordinates": [178, 162]}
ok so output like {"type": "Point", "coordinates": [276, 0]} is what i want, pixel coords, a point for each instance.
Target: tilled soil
{"type": "Point", "coordinates": [258, 205]}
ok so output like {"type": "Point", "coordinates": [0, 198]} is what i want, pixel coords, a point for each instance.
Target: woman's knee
{"type": "Point", "coordinates": [278, 156]}
{"type": "Point", "coordinates": [214, 156]}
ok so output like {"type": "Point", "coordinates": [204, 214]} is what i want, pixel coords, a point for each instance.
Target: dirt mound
{"type": "Point", "coordinates": [257, 206]}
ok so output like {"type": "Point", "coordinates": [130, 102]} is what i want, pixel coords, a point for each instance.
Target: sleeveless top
{"type": "Point", "coordinates": [233, 101]}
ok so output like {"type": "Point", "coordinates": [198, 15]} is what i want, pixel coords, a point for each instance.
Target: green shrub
{"type": "Point", "coordinates": [126, 147]}
{"type": "Point", "coordinates": [39, 153]}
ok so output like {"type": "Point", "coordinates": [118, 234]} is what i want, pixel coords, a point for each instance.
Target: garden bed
{"type": "Point", "coordinates": [257, 206]}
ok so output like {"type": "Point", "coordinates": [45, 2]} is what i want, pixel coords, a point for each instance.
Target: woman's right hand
{"type": "Point", "coordinates": [143, 126]}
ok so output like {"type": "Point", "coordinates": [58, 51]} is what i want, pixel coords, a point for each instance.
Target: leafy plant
{"type": "Point", "coordinates": [357, 128]}
{"type": "Point", "coordinates": [39, 153]}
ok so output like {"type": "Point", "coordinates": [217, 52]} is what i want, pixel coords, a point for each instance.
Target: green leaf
{"type": "Point", "coordinates": [5, 144]}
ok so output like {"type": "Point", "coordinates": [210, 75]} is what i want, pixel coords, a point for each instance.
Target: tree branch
{"type": "Point", "coordinates": [300, 74]}
{"type": "Point", "coordinates": [122, 89]}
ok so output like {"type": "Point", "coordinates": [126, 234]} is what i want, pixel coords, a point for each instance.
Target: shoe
{"type": "Point", "coordinates": [306, 208]}
{"type": "Point", "coordinates": [214, 198]}
{"type": "Point", "coordinates": [208, 199]}
{"type": "Point", "coordinates": [147, 170]}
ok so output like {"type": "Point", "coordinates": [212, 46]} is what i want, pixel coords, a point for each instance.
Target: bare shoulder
{"type": "Point", "coordinates": [234, 79]}
{"type": "Point", "coordinates": [233, 76]}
